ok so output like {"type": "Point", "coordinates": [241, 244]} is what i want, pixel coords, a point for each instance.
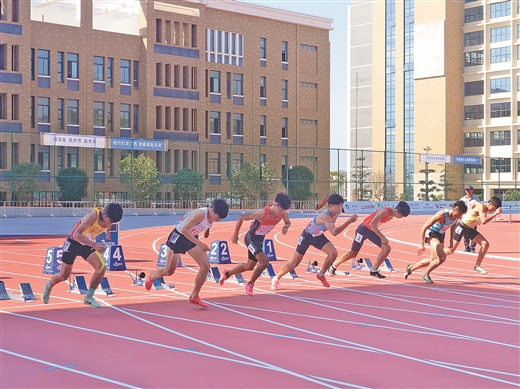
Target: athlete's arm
{"type": "Point", "coordinates": [285, 218]}
{"type": "Point", "coordinates": [322, 203]}
{"type": "Point", "coordinates": [430, 222]}
{"type": "Point", "coordinates": [88, 220]}
{"type": "Point", "coordinates": [194, 218]}
{"type": "Point", "coordinates": [373, 224]}
{"type": "Point", "coordinates": [258, 215]}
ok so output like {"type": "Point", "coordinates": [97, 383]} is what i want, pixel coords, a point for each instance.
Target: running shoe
{"type": "Point", "coordinates": [427, 279]}
{"type": "Point", "coordinates": [323, 280]}
{"type": "Point", "coordinates": [92, 302]}
{"type": "Point", "coordinates": [408, 271]}
{"type": "Point", "coordinates": [223, 277]}
{"type": "Point", "coordinates": [275, 284]}
{"type": "Point", "coordinates": [480, 269]}
{"type": "Point", "coordinates": [377, 274]}
{"type": "Point", "coordinates": [197, 301]}
{"type": "Point", "coordinates": [249, 289]}
{"type": "Point", "coordinates": [46, 292]}
{"type": "Point", "coordinates": [149, 282]}
{"type": "Point", "coordinates": [332, 271]}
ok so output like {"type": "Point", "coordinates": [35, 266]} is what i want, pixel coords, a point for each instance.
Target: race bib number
{"type": "Point", "coordinates": [251, 248]}
{"type": "Point", "coordinates": [458, 230]}
{"type": "Point", "coordinates": [263, 230]}
{"type": "Point", "coordinates": [358, 238]}
{"type": "Point", "coordinates": [174, 237]}
{"type": "Point", "coordinates": [300, 240]}
{"type": "Point", "coordinates": [66, 245]}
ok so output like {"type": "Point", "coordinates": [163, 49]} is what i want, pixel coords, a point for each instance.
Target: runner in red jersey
{"type": "Point", "coordinates": [264, 220]}
{"type": "Point", "coordinates": [369, 229]}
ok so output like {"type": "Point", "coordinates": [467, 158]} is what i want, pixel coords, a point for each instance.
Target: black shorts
{"type": "Point", "coordinates": [254, 244]}
{"type": "Point", "coordinates": [178, 243]}
{"type": "Point", "coordinates": [433, 234]}
{"type": "Point", "coordinates": [307, 240]}
{"type": "Point", "coordinates": [363, 233]}
{"type": "Point", "coordinates": [72, 248]}
{"type": "Point", "coordinates": [464, 230]}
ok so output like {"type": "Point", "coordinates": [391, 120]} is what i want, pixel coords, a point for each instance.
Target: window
{"type": "Point", "coordinates": [193, 35]}
{"type": "Point", "coordinates": [474, 58]}
{"type": "Point", "coordinates": [500, 138]}
{"type": "Point", "coordinates": [167, 75]}
{"type": "Point", "coordinates": [3, 106]}
{"type": "Point", "coordinates": [308, 84]}
{"type": "Point", "coordinates": [499, 110]}
{"type": "Point", "coordinates": [238, 128]}
{"type": "Point", "coordinates": [99, 160]}
{"type": "Point", "coordinates": [284, 90]}
{"type": "Point", "coordinates": [263, 92]}
{"type": "Point", "coordinates": [501, 34]}
{"type": "Point", "coordinates": [285, 57]}
{"type": "Point", "coordinates": [474, 88]}
{"type": "Point", "coordinates": [194, 120]}
{"type": "Point", "coordinates": [99, 69]}
{"type": "Point", "coordinates": [3, 155]}
{"type": "Point", "coordinates": [158, 117]}
{"type": "Point", "coordinates": [158, 74]}
{"type": "Point", "coordinates": [474, 38]}
{"type": "Point", "coordinates": [15, 58]}
{"type": "Point", "coordinates": [124, 69]}
{"type": "Point", "coordinates": [72, 156]}
{"type": "Point", "coordinates": [124, 116]}
{"type": "Point", "coordinates": [61, 67]}
{"type": "Point", "coordinates": [72, 112]}
{"type": "Point", "coordinates": [99, 114]}
{"type": "Point", "coordinates": [500, 165]}
{"type": "Point", "coordinates": [177, 119]}
{"type": "Point", "coordinates": [263, 54]}
{"type": "Point", "coordinates": [193, 78]}
{"type": "Point", "coordinates": [473, 139]}
{"type": "Point", "coordinates": [16, 10]}
{"type": "Point", "coordinates": [43, 110]}
{"type": "Point", "coordinates": [473, 14]}
{"type": "Point", "coordinates": [500, 85]}
{"type": "Point", "coordinates": [214, 81]}
{"type": "Point", "coordinates": [237, 85]}
{"type": "Point", "coordinates": [518, 137]}
{"type": "Point", "coordinates": [72, 66]}
{"type": "Point", "coordinates": [214, 163]}
{"type": "Point", "coordinates": [501, 54]}
{"type": "Point", "coordinates": [31, 61]}
{"type": "Point", "coordinates": [473, 112]}
{"type": "Point", "coordinates": [3, 12]}
{"type": "Point", "coordinates": [15, 100]}
{"type": "Point", "coordinates": [110, 72]}
{"type": "Point", "coordinates": [309, 121]}
{"type": "Point", "coordinates": [167, 118]}
{"type": "Point", "coordinates": [43, 62]}
{"type": "Point", "coordinates": [309, 47]}
{"type": "Point", "coordinates": [185, 119]}
{"type": "Point", "coordinates": [214, 122]}
{"type": "Point", "coordinates": [61, 107]}
{"type": "Point", "coordinates": [228, 85]}
{"type": "Point", "coordinates": [224, 47]}
{"type": "Point", "coordinates": [136, 75]}
{"type": "Point", "coordinates": [32, 112]}
{"type": "Point", "coordinates": [3, 56]}
{"type": "Point", "coordinates": [110, 117]}
{"type": "Point", "coordinates": [284, 128]}
{"type": "Point", "coordinates": [43, 157]}
{"type": "Point", "coordinates": [158, 30]}
{"type": "Point", "coordinates": [263, 131]}
{"type": "Point", "coordinates": [473, 169]}
{"type": "Point", "coordinates": [499, 10]}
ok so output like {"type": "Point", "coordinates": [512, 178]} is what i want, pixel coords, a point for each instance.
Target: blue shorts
{"type": "Point", "coordinates": [307, 240]}
{"type": "Point", "coordinates": [363, 233]}
{"type": "Point", "coordinates": [254, 244]}
{"type": "Point", "coordinates": [178, 243]}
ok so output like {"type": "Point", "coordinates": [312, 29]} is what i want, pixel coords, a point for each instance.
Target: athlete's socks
{"type": "Point", "coordinates": [90, 292]}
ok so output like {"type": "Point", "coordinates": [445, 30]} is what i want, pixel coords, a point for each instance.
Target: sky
{"type": "Point", "coordinates": [336, 10]}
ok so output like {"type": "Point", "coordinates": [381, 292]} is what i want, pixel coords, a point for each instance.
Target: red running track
{"type": "Point", "coordinates": [460, 332]}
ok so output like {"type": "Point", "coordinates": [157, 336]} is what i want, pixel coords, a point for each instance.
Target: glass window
{"type": "Point", "coordinates": [214, 81]}
{"type": "Point", "coordinates": [72, 156]}
{"type": "Point", "coordinates": [262, 48]}
{"type": "Point", "coordinates": [110, 117]}
{"type": "Point", "coordinates": [473, 14]}
{"type": "Point", "coordinates": [473, 139]}
{"type": "Point", "coordinates": [110, 72]}
{"type": "Point", "coordinates": [263, 91]}
{"type": "Point", "coordinates": [136, 119]}
{"type": "Point", "coordinates": [99, 160]}
{"type": "Point", "coordinates": [474, 88]}
{"type": "Point", "coordinates": [61, 67]}
{"type": "Point", "coordinates": [474, 58]}
{"type": "Point", "coordinates": [284, 90]}
{"type": "Point", "coordinates": [43, 110]}
{"type": "Point", "coordinates": [500, 138]}
{"type": "Point", "coordinates": [263, 132]}
{"type": "Point", "coordinates": [238, 128]}
{"type": "Point", "coordinates": [124, 75]}
{"type": "Point", "coordinates": [284, 128]}
{"type": "Point", "coordinates": [499, 110]}
{"type": "Point", "coordinates": [43, 62]}
{"type": "Point", "coordinates": [136, 75]}
{"type": "Point", "coordinates": [124, 116]}
{"type": "Point", "coordinates": [499, 10]}
{"type": "Point", "coordinates": [237, 85]}
{"type": "Point", "coordinates": [73, 65]}
{"type": "Point", "coordinates": [501, 54]}
{"type": "Point", "coordinates": [99, 68]}
{"type": "Point", "coordinates": [61, 107]}
{"type": "Point", "coordinates": [500, 85]}
{"type": "Point", "coordinates": [501, 34]}
{"type": "Point", "coordinates": [500, 165]}
{"type": "Point", "coordinates": [473, 112]}
{"type": "Point", "coordinates": [214, 122]}
{"type": "Point", "coordinates": [474, 38]}
{"type": "Point", "coordinates": [43, 157]}
{"type": "Point", "coordinates": [285, 57]}
{"type": "Point", "coordinates": [73, 112]}
{"type": "Point", "coordinates": [99, 114]}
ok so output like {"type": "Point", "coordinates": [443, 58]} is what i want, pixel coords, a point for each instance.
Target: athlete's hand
{"type": "Point", "coordinates": [353, 218]}
{"type": "Point", "coordinates": [284, 230]}
{"type": "Point", "coordinates": [448, 251]}
{"type": "Point", "coordinates": [203, 247]}
{"type": "Point", "coordinates": [420, 250]}
{"type": "Point", "coordinates": [206, 233]}
{"type": "Point", "coordinates": [498, 211]}
{"type": "Point", "coordinates": [100, 247]}
{"type": "Point", "coordinates": [234, 238]}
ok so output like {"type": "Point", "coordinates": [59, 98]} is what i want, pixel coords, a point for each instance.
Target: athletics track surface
{"type": "Point", "coordinates": [362, 332]}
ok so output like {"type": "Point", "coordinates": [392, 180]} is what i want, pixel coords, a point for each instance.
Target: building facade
{"type": "Point", "coordinates": [219, 82]}
{"type": "Point", "coordinates": [442, 78]}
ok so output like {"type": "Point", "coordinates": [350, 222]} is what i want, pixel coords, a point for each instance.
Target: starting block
{"type": "Point", "coordinates": [3, 292]}
{"type": "Point", "coordinates": [388, 265]}
{"type": "Point", "coordinates": [291, 275]}
{"type": "Point", "coordinates": [159, 284]}
{"type": "Point", "coordinates": [52, 264]}
{"type": "Point", "coordinates": [357, 264]}
{"type": "Point", "coordinates": [104, 288]}
{"type": "Point", "coordinates": [161, 259]}
{"type": "Point", "coordinates": [268, 249]}
{"type": "Point", "coordinates": [78, 285]}
{"type": "Point", "coordinates": [311, 267]}
{"type": "Point", "coordinates": [369, 264]}
{"type": "Point", "coordinates": [114, 258]}
{"type": "Point", "coordinates": [138, 279]}
{"type": "Point", "coordinates": [239, 279]}
{"type": "Point", "coordinates": [269, 271]}
{"type": "Point", "coordinates": [26, 293]}
{"type": "Point", "coordinates": [219, 252]}
{"type": "Point", "coordinates": [214, 274]}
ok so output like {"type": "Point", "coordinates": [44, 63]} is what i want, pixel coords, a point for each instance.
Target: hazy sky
{"type": "Point", "coordinates": [336, 10]}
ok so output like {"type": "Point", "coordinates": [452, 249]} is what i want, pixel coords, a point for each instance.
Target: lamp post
{"type": "Point", "coordinates": [289, 168]}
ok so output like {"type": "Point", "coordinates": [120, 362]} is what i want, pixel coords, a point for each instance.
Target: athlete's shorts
{"type": "Point", "coordinates": [363, 233]}
{"type": "Point", "coordinates": [433, 234]}
{"type": "Point", "coordinates": [178, 243]}
{"type": "Point", "coordinates": [72, 248]}
{"type": "Point", "coordinates": [254, 244]}
{"type": "Point", "coordinates": [307, 240]}
{"type": "Point", "coordinates": [464, 230]}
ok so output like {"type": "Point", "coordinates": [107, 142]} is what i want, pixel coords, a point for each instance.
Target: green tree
{"type": "Point", "coordinates": [299, 183]}
{"type": "Point", "coordinates": [252, 181]}
{"type": "Point", "coordinates": [25, 178]}
{"type": "Point", "coordinates": [141, 177]}
{"type": "Point", "coordinates": [73, 184]}
{"type": "Point", "coordinates": [360, 177]}
{"type": "Point", "coordinates": [187, 185]}
{"type": "Point", "coordinates": [448, 178]}
{"type": "Point", "coordinates": [337, 181]}
{"type": "Point", "coordinates": [512, 195]}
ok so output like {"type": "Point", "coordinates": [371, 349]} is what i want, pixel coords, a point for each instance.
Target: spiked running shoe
{"type": "Point", "coordinates": [275, 284]}
{"type": "Point", "coordinates": [427, 279]}
{"type": "Point", "coordinates": [197, 301]}
{"type": "Point", "coordinates": [46, 292]}
{"type": "Point", "coordinates": [249, 289]}
{"type": "Point", "coordinates": [323, 280]}
{"type": "Point", "coordinates": [480, 269]}
{"type": "Point", "coordinates": [149, 282]}
{"type": "Point", "coordinates": [224, 276]}
{"type": "Point", "coordinates": [332, 271]}
{"type": "Point", "coordinates": [408, 271]}
{"type": "Point", "coordinates": [377, 274]}
{"type": "Point", "coordinates": [92, 302]}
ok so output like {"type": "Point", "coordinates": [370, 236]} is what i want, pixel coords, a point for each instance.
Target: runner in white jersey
{"type": "Point", "coordinates": [184, 239]}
